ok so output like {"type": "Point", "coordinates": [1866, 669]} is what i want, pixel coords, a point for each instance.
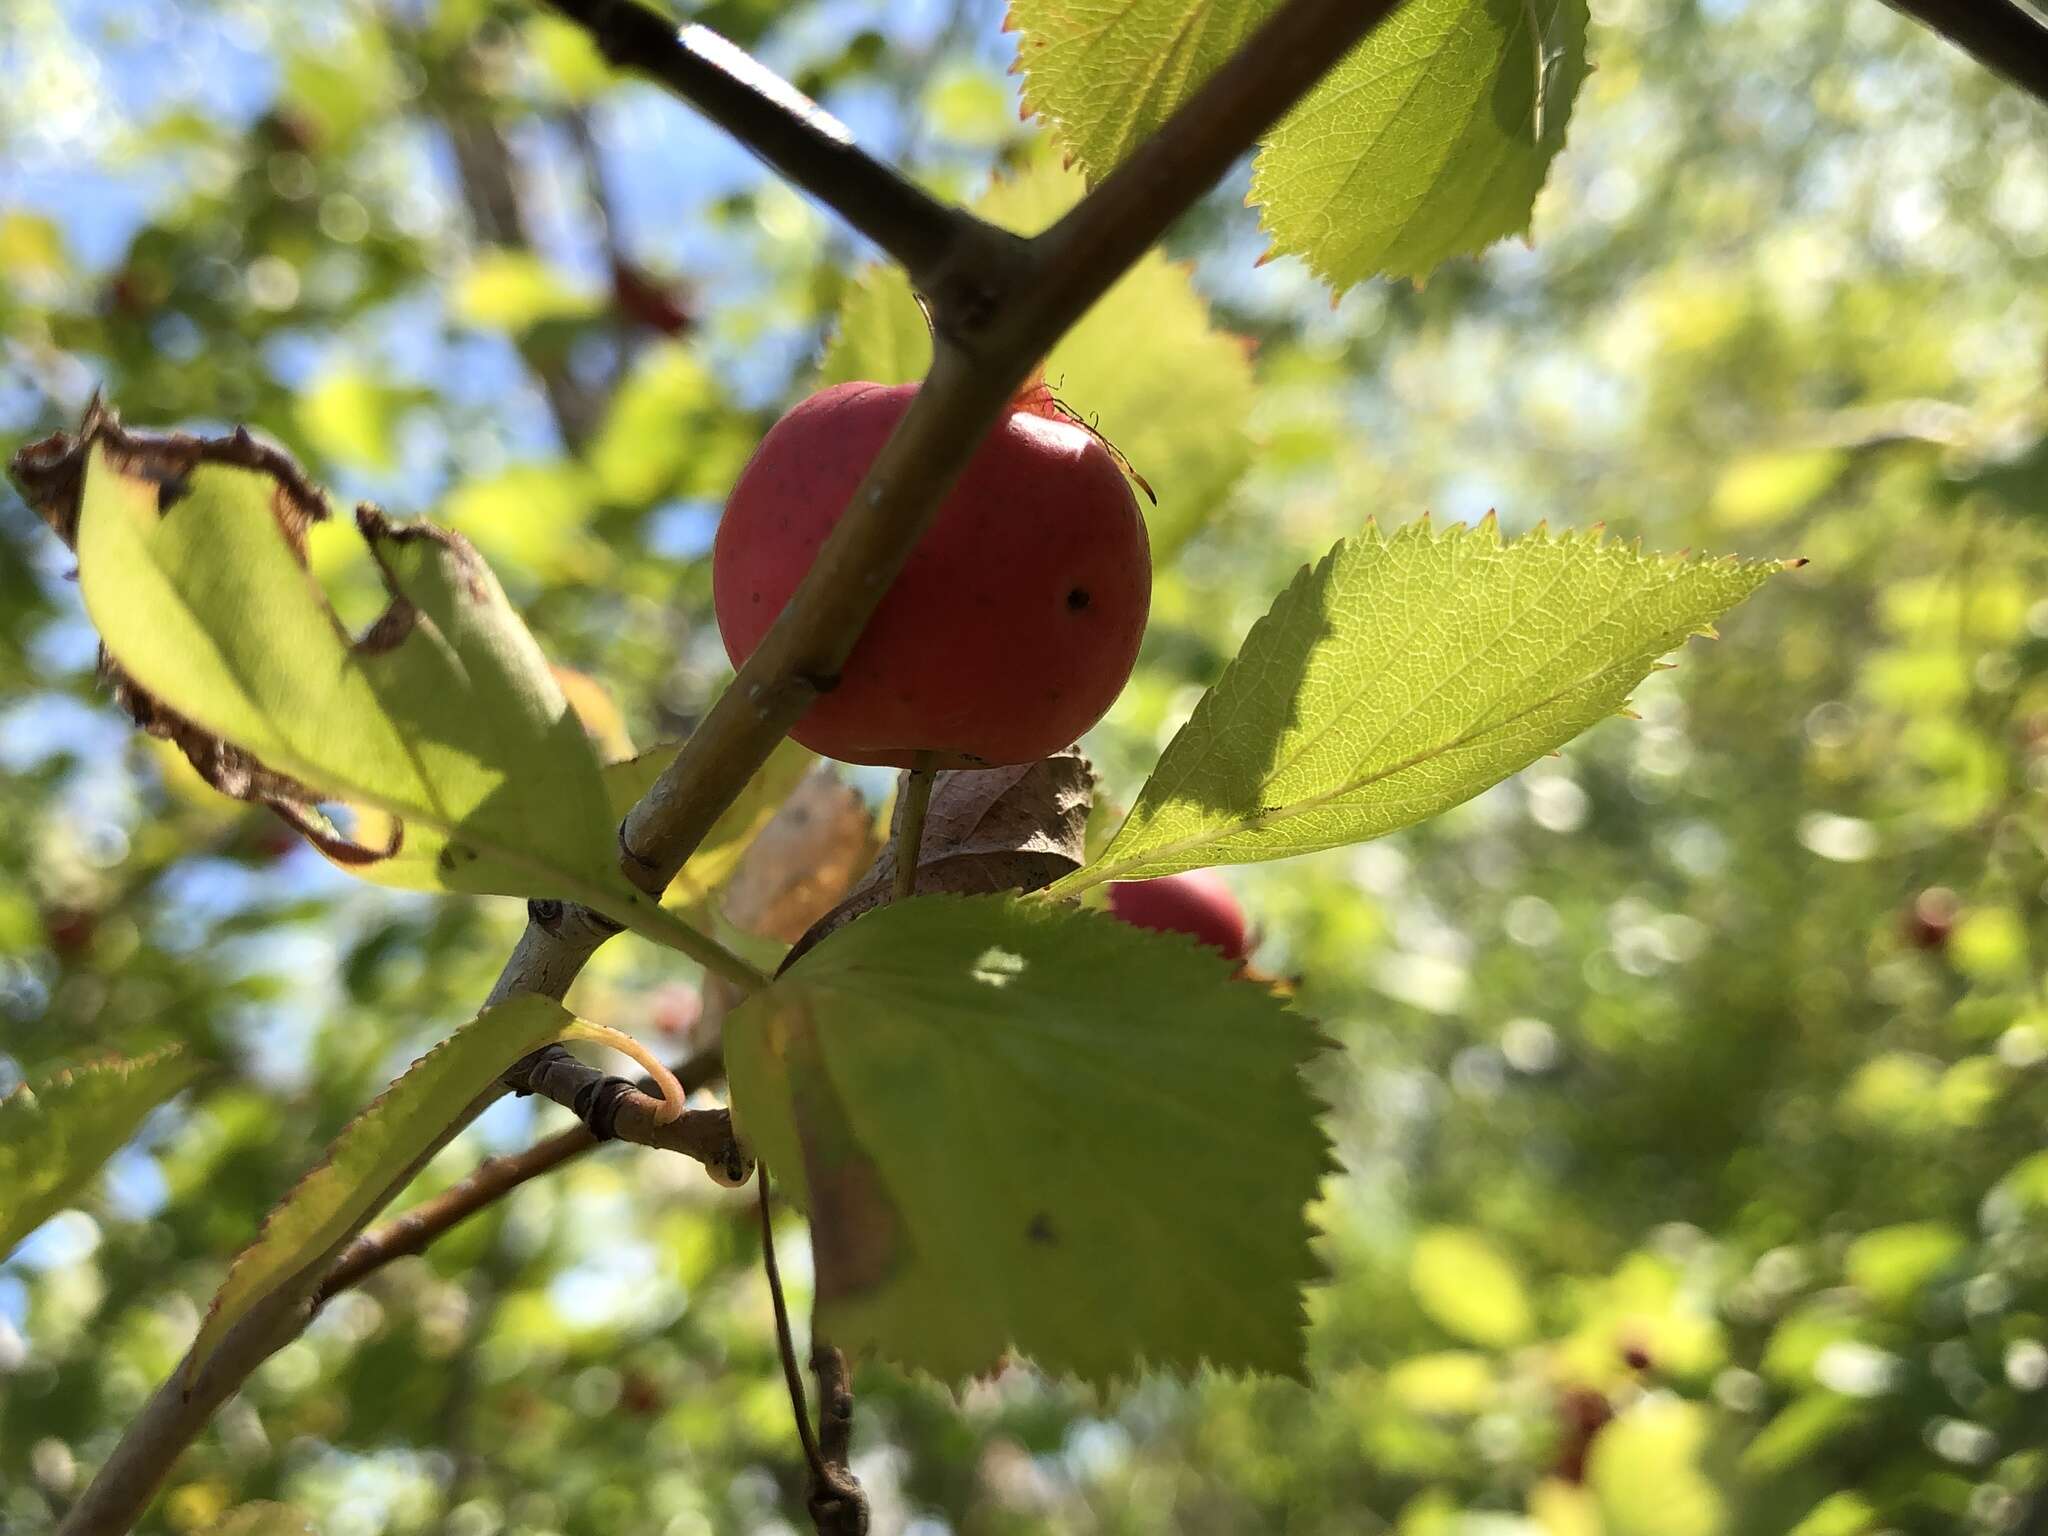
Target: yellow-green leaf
{"type": "Point", "coordinates": [376, 1154]}
{"type": "Point", "coordinates": [1401, 676]}
{"type": "Point", "coordinates": [1430, 139]}
{"type": "Point", "coordinates": [514, 291]}
{"type": "Point", "coordinates": [1469, 1287]}
{"type": "Point", "coordinates": [57, 1135]}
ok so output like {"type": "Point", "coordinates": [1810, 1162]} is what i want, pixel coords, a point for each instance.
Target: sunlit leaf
{"type": "Point", "coordinates": [1428, 140]}
{"type": "Point", "coordinates": [1450, 1381]}
{"type": "Point", "coordinates": [514, 291]}
{"type": "Point", "coordinates": [445, 716]}
{"type": "Point", "coordinates": [668, 432]}
{"type": "Point", "coordinates": [1023, 1125]}
{"type": "Point", "coordinates": [1398, 677]}
{"type": "Point", "coordinates": [1469, 1287]}
{"type": "Point", "coordinates": [350, 416]}
{"type": "Point", "coordinates": [32, 250]}
{"type": "Point", "coordinates": [1647, 1472]}
{"type": "Point", "coordinates": [342, 86]}
{"type": "Point", "coordinates": [374, 1156]}
{"type": "Point", "coordinates": [55, 1136]}
{"type": "Point", "coordinates": [1892, 1265]}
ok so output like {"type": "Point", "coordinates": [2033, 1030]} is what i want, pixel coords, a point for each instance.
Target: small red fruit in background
{"type": "Point", "coordinates": [651, 302]}
{"type": "Point", "coordinates": [1197, 903]}
{"type": "Point", "coordinates": [1016, 621]}
{"type": "Point", "coordinates": [1581, 1415]}
{"type": "Point", "coordinates": [69, 930]}
{"type": "Point", "coordinates": [676, 1008]}
{"type": "Point", "coordinates": [273, 842]}
{"type": "Point", "coordinates": [1932, 918]}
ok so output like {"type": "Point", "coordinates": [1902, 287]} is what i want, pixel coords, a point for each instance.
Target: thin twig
{"type": "Point", "coordinates": [792, 1373]}
{"type": "Point", "coordinates": [917, 799]}
{"type": "Point", "coordinates": [838, 1505]}
{"type": "Point", "coordinates": [412, 1231]}
{"type": "Point", "coordinates": [705, 1135]}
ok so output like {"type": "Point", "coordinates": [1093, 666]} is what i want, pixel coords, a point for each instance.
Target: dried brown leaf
{"type": "Point", "coordinates": [988, 829]}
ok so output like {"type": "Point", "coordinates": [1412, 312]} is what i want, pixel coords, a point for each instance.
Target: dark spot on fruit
{"type": "Point", "coordinates": [756, 599]}
{"type": "Point", "coordinates": [1077, 599]}
{"type": "Point", "coordinates": [1040, 1231]}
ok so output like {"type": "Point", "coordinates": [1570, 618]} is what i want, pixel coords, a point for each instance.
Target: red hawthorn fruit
{"type": "Point", "coordinates": [657, 305]}
{"type": "Point", "coordinates": [274, 842]}
{"type": "Point", "coordinates": [69, 930]}
{"type": "Point", "coordinates": [1197, 903]}
{"type": "Point", "coordinates": [1581, 1414]}
{"type": "Point", "coordinates": [1015, 622]}
{"type": "Point", "coordinates": [641, 1395]}
{"type": "Point", "coordinates": [676, 1008]}
{"type": "Point", "coordinates": [1932, 918]}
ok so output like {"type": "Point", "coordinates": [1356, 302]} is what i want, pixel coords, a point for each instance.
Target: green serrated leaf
{"type": "Point", "coordinates": [1145, 366]}
{"type": "Point", "coordinates": [373, 1158]}
{"type": "Point", "coordinates": [1429, 140]}
{"type": "Point", "coordinates": [573, 65]}
{"type": "Point", "coordinates": [1399, 677]}
{"type": "Point", "coordinates": [1892, 1265]}
{"type": "Point", "coordinates": [55, 1137]}
{"type": "Point", "coordinates": [1105, 74]}
{"type": "Point", "coordinates": [1021, 1125]}
{"type": "Point", "coordinates": [446, 717]}
{"type": "Point", "coordinates": [1649, 1476]}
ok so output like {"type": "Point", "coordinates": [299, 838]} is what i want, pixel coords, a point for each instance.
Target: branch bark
{"type": "Point", "coordinates": [2005, 36]}
{"type": "Point", "coordinates": [997, 304]}
{"type": "Point", "coordinates": [415, 1230]}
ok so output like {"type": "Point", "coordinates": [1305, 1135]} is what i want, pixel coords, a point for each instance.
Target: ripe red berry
{"type": "Point", "coordinates": [1013, 626]}
{"type": "Point", "coordinates": [1197, 903]}
{"type": "Point", "coordinates": [1581, 1414]}
{"type": "Point", "coordinates": [69, 930]}
{"type": "Point", "coordinates": [1932, 918]}
{"type": "Point", "coordinates": [676, 1008]}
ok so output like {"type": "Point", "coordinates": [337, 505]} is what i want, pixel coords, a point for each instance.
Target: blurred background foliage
{"type": "Point", "coordinates": [1693, 1080]}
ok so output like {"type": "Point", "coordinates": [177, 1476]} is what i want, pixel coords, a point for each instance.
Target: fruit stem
{"type": "Point", "coordinates": [917, 796]}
